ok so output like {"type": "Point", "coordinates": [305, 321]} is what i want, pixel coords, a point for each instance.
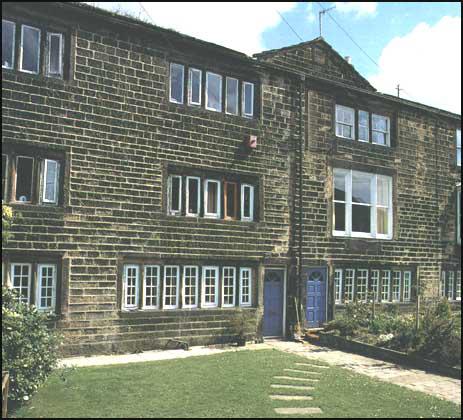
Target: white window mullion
{"type": "Point", "coordinates": [131, 286]}
{"type": "Point", "coordinates": [189, 181]}
{"type": "Point", "coordinates": [338, 286]}
{"type": "Point", "coordinates": [151, 279]}
{"type": "Point", "coordinates": [208, 212]}
{"type": "Point", "coordinates": [210, 287]}
{"type": "Point", "coordinates": [174, 206]}
{"type": "Point", "coordinates": [228, 286]}
{"type": "Point", "coordinates": [57, 72]}
{"type": "Point", "coordinates": [190, 286]}
{"type": "Point", "coordinates": [171, 286]}
{"type": "Point", "coordinates": [30, 50]}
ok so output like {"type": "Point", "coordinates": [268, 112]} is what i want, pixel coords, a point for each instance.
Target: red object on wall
{"type": "Point", "coordinates": [251, 142]}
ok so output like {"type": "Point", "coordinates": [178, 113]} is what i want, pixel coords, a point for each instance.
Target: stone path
{"type": "Point", "coordinates": [293, 375]}
{"type": "Point", "coordinates": [417, 380]}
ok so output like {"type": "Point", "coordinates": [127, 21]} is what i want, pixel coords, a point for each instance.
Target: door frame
{"type": "Point", "coordinates": [285, 271]}
{"type": "Point", "coordinates": [327, 268]}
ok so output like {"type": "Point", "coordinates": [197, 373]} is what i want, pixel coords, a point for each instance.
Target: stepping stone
{"type": "Point", "coordinates": [302, 371]}
{"type": "Point", "coordinates": [310, 365]}
{"type": "Point", "coordinates": [306, 410]}
{"type": "Point", "coordinates": [291, 398]}
{"type": "Point", "coordinates": [292, 378]}
{"type": "Point", "coordinates": [301, 387]}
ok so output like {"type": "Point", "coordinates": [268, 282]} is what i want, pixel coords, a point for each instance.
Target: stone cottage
{"type": "Point", "coordinates": [167, 185]}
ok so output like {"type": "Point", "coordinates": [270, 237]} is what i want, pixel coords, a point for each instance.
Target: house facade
{"type": "Point", "coordinates": [167, 185]}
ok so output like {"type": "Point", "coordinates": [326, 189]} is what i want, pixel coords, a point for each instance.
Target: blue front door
{"type": "Point", "coordinates": [316, 296]}
{"type": "Point", "coordinates": [273, 303]}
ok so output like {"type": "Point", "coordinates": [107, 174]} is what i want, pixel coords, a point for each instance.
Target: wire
{"type": "Point", "coordinates": [352, 39]}
{"type": "Point", "coordinates": [290, 27]}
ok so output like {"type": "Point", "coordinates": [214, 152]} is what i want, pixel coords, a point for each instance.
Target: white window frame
{"type": "Point", "coordinates": [29, 281]}
{"type": "Point", "coordinates": [61, 48]}
{"type": "Point", "coordinates": [237, 95]}
{"type": "Point", "coordinates": [407, 282]}
{"type": "Point", "coordinates": [5, 170]}
{"type": "Point", "coordinates": [386, 285]}
{"type": "Point", "coordinates": [157, 285]}
{"type": "Point", "coordinates": [458, 147]}
{"type": "Point", "coordinates": [387, 132]}
{"type": "Point", "coordinates": [458, 286]}
{"type": "Point", "coordinates": [442, 284]}
{"type": "Point", "coordinates": [245, 303]}
{"type": "Point", "coordinates": [349, 274]}
{"type": "Point", "coordinates": [177, 287]}
{"type": "Point", "coordinates": [56, 183]}
{"type": "Point", "coordinates": [394, 291]}
{"type": "Point", "coordinates": [458, 224]}
{"type": "Point", "coordinates": [348, 173]}
{"type": "Point", "coordinates": [243, 104]}
{"type": "Point", "coordinates": [361, 273]}
{"type": "Point", "coordinates": [169, 195]}
{"type": "Point", "coordinates": [218, 199]}
{"type": "Point", "coordinates": [21, 55]}
{"type": "Point", "coordinates": [207, 91]}
{"type": "Point", "coordinates": [173, 100]}
{"type": "Point", "coordinates": [450, 285]}
{"type": "Point", "coordinates": [338, 274]}
{"type": "Point", "coordinates": [233, 286]}
{"type": "Point", "coordinates": [198, 199]}
{"type": "Point", "coordinates": [214, 304]}
{"type": "Point", "coordinates": [39, 288]}
{"type": "Point", "coordinates": [344, 109]}
{"type": "Point", "coordinates": [191, 71]}
{"type": "Point", "coordinates": [196, 286]}
{"type": "Point", "coordinates": [13, 47]}
{"type": "Point", "coordinates": [133, 306]}
{"type": "Point", "coordinates": [375, 277]}
{"type": "Point", "coordinates": [367, 140]}
{"type": "Point", "coordinates": [251, 202]}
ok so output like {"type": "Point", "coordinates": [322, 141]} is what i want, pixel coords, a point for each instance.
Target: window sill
{"type": "Point", "coordinates": [36, 207]}
{"type": "Point", "coordinates": [361, 238]}
{"type": "Point", "coordinates": [208, 220]}
{"type": "Point", "coordinates": [49, 81]}
{"type": "Point", "coordinates": [180, 311]}
{"type": "Point", "coordinates": [201, 110]}
{"type": "Point", "coordinates": [365, 144]}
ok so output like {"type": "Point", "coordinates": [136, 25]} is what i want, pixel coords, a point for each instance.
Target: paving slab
{"type": "Point", "coordinates": [302, 371]}
{"type": "Point", "coordinates": [300, 387]}
{"type": "Point", "coordinates": [294, 378]}
{"type": "Point", "coordinates": [291, 398]}
{"type": "Point", "coordinates": [415, 379]}
{"type": "Point", "coordinates": [301, 411]}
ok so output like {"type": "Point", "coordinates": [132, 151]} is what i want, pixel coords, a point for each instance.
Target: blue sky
{"type": "Point", "coordinates": [416, 44]}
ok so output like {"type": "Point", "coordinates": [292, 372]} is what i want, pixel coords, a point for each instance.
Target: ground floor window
{"type": "Point", "coordinates": [450, 284]}
{"type": "Point", "coordinates": [156, 287]}
{"type": "Point", "coordinates": [35, 282]}
{"type": "Point", "coordinates": [364, 284]}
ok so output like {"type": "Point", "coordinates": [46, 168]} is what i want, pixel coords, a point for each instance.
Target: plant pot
{"type": "Point", "coordinates": [240, 341]}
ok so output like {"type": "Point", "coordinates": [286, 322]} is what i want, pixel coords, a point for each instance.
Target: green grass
{"type": "Point", "coordinates": [234, 384]}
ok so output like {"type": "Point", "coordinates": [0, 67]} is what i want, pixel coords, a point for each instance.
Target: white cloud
{"type": "Point", "coordinates": [310, 13]}
{"type": "Point", "coordinates": [427, 64]}
{"type": "Point", "coordinates": [234, 25]}
{"type": "Point", "coordinates": [359, 9]}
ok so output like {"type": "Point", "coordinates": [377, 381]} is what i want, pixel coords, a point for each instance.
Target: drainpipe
{"type": "Point", "coordinates": [301, 160]}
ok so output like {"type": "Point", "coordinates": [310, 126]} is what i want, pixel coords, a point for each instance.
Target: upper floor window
{"type": "Point", "coordinates": [217, 98]}
{"type": "Point", "coordinates": [362, 204]}
{"type": "Point", "coordinates": [363, 126]}
{"type": "Point", "coordinates": [213, 92]}
{"type": "Point", "coordinates": [458, 144]}
{"type": "Point", "coordinates": [33, 59]}
{"type": "Point", "coordinates": [210, 197]}
{"type": "Point", "coordinates": [31, 179]}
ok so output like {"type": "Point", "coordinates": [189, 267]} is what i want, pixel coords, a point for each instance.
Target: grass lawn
{"type": "Point", "coordinates": [234, 384]}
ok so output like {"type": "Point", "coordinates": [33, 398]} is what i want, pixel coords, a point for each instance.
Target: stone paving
{"type": "Point", "coordinates": [296, 386]}
{"type": "Point", "coordinates": [417, 380]}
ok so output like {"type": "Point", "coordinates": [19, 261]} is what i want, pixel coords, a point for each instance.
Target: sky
{"type": "Point", "coordinates": [414, 44]}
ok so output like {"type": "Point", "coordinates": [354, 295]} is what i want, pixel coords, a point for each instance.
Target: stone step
{"type": "Point", "coordinates": [312, 365]}
{"type": "Point", "coordinates": [301, 411]}
{"type": "Point", "coordinates": [302, 371]}
{"type": "Point", "coordinates": [291, 398]}
{"type": "Point", "coordinates": [292, 378]}
{"type": "Point", "coordinates": [300, 387]}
